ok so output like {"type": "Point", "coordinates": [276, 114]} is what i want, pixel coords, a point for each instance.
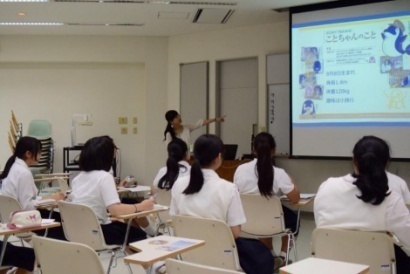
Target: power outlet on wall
{"type": "Point", "coordinates": [122, 120]}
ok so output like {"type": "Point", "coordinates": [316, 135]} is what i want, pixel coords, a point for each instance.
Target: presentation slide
{"type": "Point", "coordinates": [350, 78]}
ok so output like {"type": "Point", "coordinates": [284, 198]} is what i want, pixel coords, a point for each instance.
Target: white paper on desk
{"type": "Point", "coordinates": [302, 196]}
{"type": "Point", "coordinates": [136, 189]}
{"type": "Point", "coordinates": [44, 202]}
{"type": "Point", "coordinates": [47, 221]}
{"type": "Point", "coordinates": [307, 195]}
{"type": "Point", "coordinates": [157, 206]}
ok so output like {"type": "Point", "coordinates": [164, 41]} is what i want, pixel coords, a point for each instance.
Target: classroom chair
{"type": "Point", "coordinates": [375, 249]}
{"type": "Point", "coordinates": [55, 256]}
{"type": "Point", "coordinates": [181, 267]}
{"type": "Point", "coordinates": [220, 248]}
{"type": "Point", "coordinates": [264, 218]}
{"type": "Point", "coordinates": [8, 205]}
{"type": "Point", "coordinates": [163, 197]}
{"type": "Point", "coordinates": [81, 225]}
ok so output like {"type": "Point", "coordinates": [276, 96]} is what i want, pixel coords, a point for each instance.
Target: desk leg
{"type": "Point", "coordinates": [124, 245]}
{"type": "Point", "coordinates": [3, 248]}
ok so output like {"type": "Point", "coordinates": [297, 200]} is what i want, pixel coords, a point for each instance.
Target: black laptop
{"type": "Point", "coordinates": [230, 152]}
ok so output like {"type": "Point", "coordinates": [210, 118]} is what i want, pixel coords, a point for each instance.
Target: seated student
{"type": "Point", "coordinates": [17, 256]}
{"type": "Point", "coordinates": [94, 186]}
{"type": "Point", "coordinates": [18, 181]}
{"type": "Point", "coordinates": [204, 194]}
{"type": "Point", "coordinates": [396, 183]}
{"type": "Point", "coordinates": [177, 166]}
{"type": "Point", "coordinates": [261, 176]}
{"type": "Point", "coordinates": [362, 200]}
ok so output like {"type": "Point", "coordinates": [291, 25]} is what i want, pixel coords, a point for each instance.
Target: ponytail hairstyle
{"type": "Point", "coordinates": [370, 158]}
{"type": "Point", "coordinates": [23, 145]}
{"type": "Point", "coordinates": [177, 149]}
{"type": "Point", "coordinates": [263, 145]}
{"type": "Point", "coordinates": [206, 149]}
{"type": "Point", "coordinates": [169, 116]}
{"type": "Point", "coordinates": [97, 154]}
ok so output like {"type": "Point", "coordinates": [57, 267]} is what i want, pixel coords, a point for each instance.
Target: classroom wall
{"type": "Point", "coordinates": [141, 62]}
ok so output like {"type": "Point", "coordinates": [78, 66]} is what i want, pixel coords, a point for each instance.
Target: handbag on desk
{"type": "Point", "coordinates": [24, 219]}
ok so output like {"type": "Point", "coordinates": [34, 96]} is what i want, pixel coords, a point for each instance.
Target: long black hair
{"type": "Point", "coordinates": [23, 145]}
{"type": "Point", "coordinates": [263, 144]}
{"type": "Point", "coordinates": [97, 154]}
{"type": "Point", "coordinates": [206, 149]}
{"type": "Point", "coordinates": [370, 158]}
{"type": "Point", "coordinates": [177, 149]}
{"type": "Point", "coordinates": [169, 116]}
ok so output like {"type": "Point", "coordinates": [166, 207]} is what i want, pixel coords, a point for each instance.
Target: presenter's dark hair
{"type": "Point", "coordinates": [97, 154]}
{"type": "Point", "coordinates": [370, 157]}
{"type": "Point", "coordinates": [206, 149]}
{"type": "Point", "coordinates": [169, 116]}
{"type": "Point", "coordinates": [23, 145]}
{"type": "Point", "coordinates": [177, 149]}
{"type": "Point", "coordinates": [263, 145]}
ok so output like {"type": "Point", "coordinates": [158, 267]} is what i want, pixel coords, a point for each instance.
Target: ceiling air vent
{"type": "Point", "coordinates": [203, 3]}
{"type": "Point", "coordinates": [212, 16]}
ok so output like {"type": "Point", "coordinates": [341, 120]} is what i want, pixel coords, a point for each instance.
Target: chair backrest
{"type": "Point", "coordinates": [81, 225]}
{"type": "Point", "coordinates": [374, 249]}
{"type": "Point", "coordinates": [8, 205]}
{"type": "Point", "coordinates": [220, 247]}
{"type": "Point", "coordinates": [163, 197]}
{"type": "Point", "coordinates": [63, 257]}
{"type": "Point", "coordinates": [264, 217]}
{"type": "Point", "coordinates": [41, 129]}
{"type": "Point", "coordinates": [62, 183]}
{"type": "Point", "coordinates": [182, 267]}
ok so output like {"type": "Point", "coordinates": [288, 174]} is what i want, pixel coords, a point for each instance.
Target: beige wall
{"type": "Point", "coordinates": [142, 95]}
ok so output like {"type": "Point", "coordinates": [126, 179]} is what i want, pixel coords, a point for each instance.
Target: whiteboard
{"type": "Point", "coordinates": [278, 108]}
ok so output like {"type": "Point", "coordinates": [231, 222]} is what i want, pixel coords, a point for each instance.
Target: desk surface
{"type": "Point", "coordinates": [156, 209]}
{"type": "Point", "coordinates": [4, 230]}
{"type": "Point", "coordinates": [322, 266]}
{"type": "Point", "coordinates": [160, 248]}
{"type": "Point", "coordinates": [134, 189]}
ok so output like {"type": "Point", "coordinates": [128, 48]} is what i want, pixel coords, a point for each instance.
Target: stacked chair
{"type": "Point", "coordinates": [15, 132]}
{"type": "Point", "coordinates": [41, 130]}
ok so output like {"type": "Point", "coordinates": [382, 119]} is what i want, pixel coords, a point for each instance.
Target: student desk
{"type": "Point", "coordinates": [322, 266]}
{"type": "Point", "coordinates": [160, 248]}
{"type": "Point", "coordinates": [139, 214]}
{"type": "Point", "coordinates": [7, 232]}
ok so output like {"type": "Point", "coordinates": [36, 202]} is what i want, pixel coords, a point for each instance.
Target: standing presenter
{"type": "Point", "coordinates": [176, 129]}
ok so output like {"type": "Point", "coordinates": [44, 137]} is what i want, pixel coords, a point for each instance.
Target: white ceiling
{"type": "Point", "coordinates": [157, 19]}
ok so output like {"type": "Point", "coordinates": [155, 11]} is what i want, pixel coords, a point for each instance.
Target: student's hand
{"type": "Point", "coordinates": [58, 196]}
{"type": "Point", "coordinates": [147, 204]}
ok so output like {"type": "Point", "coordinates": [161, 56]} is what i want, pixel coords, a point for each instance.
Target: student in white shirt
{"type": "Point", "coordinates": [396, 183]}
{"type": "Point", "coordinates": [261, 176]}
{"type": "Point", "coordinates": [94, 186]}
{"type": "Point", "coordinates": [362, 200]}
{"type": "Point", "coordinates": [176, 129]}
{"type": "Point", "coordinates": [204, 194]}
{"type": "Point", "coordinates": [18, 181]}
{"type": "Point", "coordinates": [177, 166]}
